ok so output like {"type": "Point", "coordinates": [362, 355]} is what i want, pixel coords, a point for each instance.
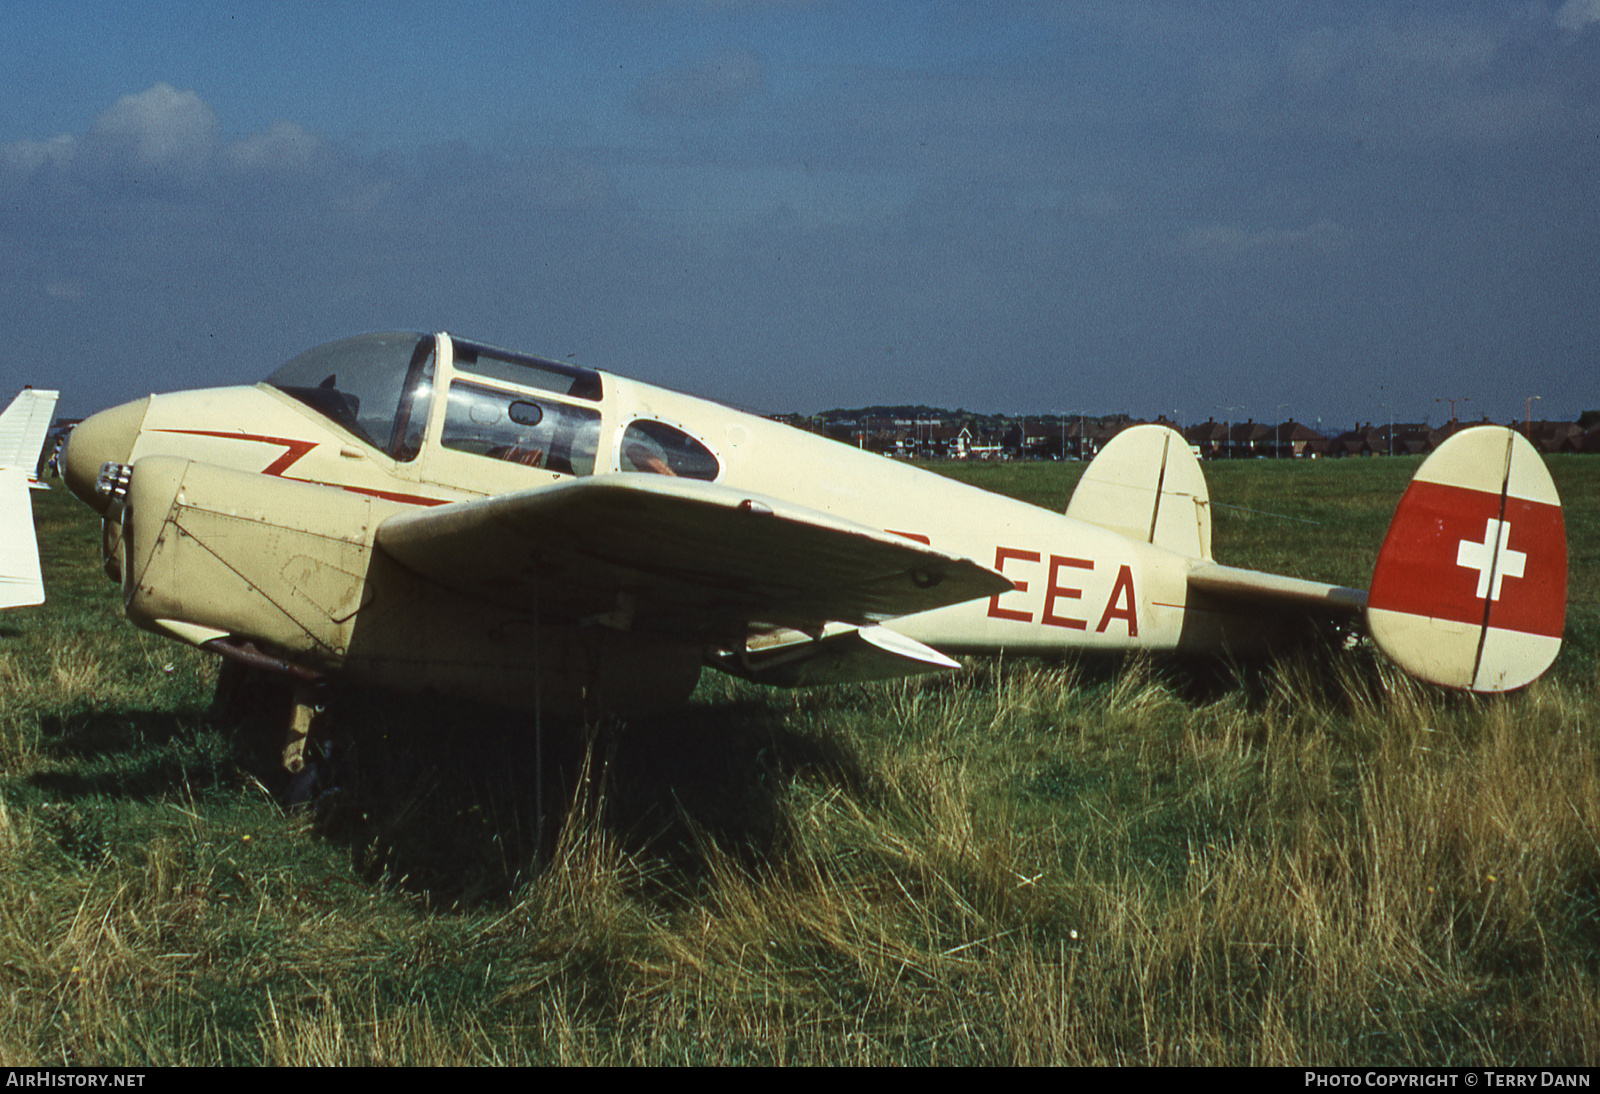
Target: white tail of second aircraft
{"type": "Point", "coordinates": [23, 427]}
{"type": "Point", "coordinates": [20, 580]}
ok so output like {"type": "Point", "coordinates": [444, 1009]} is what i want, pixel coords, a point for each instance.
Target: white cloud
{"type": "Point", "coordinates": [1574, 15]}
{"type": "Point", "coordinates": [1410, 80]}
{"type": "Point", "coordinates": [162, 136]}
{"type": "Point", "coordinates": [161, 129]}
{"type": "Point", "coordinates": [283, 147]}
{"type": "Point", "coordinates": [26, 156]}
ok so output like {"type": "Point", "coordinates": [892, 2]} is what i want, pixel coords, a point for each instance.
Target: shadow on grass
{"type": "Point", "coordinates": [444, 798]}
{"type": "Point", "coordinates": [135, 754]}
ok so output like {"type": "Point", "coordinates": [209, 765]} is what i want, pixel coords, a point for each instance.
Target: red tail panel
{"type": "Point", "coordinates": [1470, 589]}
{"type": "Point", "coordinates": [1450, 551]}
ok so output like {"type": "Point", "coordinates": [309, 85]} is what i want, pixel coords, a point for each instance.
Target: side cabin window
{"type": "Point", "coordinates": [521, 428]}
{"type": "Point", "coordinates": [503, 366]}
{"type": "Point", "coordinates": [376, 386]}
{"type": "Point", "coordinates": [658, 449]}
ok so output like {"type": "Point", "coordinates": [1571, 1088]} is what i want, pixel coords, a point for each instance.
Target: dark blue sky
{"type": "Point", "coordinates": [1231, 209]}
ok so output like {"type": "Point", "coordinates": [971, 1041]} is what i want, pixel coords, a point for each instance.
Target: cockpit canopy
{"type": "Point", "coordinates": [498, 405]}
{"type": "Point", "coordinates": [380, 386]}
{"type": "Point", "coordinates": [377, 386]}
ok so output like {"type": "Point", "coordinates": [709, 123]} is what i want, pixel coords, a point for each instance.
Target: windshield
{"type": "Point", "coordinates": [377, 386]}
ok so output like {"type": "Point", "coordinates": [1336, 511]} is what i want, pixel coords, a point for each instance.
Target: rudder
{"type": "Point", "coordinates": [1470, 588]}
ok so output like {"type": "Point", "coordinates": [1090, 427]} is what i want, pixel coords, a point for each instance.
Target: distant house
{"type": "Point", "coordinates": [1362, 440]}
{"type": "Point", "coordinates": [1209, 438]}
{"type": "Point", "coordinates": [1591, 439]}
{"type": "Point", "coordinates": [1249, 438]}
{"type": "Point", "coordinates": [1553, 437]}
{"type": "Point", "coordinates": [1296, 440]}
{"type": "Point", "coordinates": [921, 432]}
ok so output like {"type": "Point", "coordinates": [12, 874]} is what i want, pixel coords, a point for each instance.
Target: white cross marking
{"type": "Point", "coordinates": [1481, 557]}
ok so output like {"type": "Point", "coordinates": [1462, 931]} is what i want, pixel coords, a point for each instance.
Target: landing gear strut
{"type": "Point", "coordinates": [307, 705]}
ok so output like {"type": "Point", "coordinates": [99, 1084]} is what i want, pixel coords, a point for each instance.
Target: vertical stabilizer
{"type": "Point", "coordinates": [20, 580]}
{"type": "Point", "coordinates": [1470, 589]}
{"type": "Point", "coordinates": [1147, 485]}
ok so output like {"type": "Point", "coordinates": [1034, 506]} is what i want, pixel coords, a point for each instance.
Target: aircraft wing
{"type": "Point", "coordinates": [677, 556]}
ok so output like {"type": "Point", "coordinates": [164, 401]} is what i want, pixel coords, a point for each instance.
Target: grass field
{"type": "Point", "coordinates": [1311, 861]}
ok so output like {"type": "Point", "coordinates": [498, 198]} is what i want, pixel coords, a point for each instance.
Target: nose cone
{"type": "Point", "coordinates": [106, 436]}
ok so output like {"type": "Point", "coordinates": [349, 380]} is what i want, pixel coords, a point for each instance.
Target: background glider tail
{"type": "Point", "coordinates": [1147, 485]}
{"type": "Point", "coordinates": [23, 427]}
{"type": "Point", "coordinates": [20, 581]}
{"type": "Point", "coordinates": [1470, 588]}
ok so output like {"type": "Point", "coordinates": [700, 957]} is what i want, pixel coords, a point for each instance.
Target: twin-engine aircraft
{"type": "Point", "coordinates": [417, 511]}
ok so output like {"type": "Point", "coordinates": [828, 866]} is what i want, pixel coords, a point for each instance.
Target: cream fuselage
{"type": "Point", "coordinates": [1076, 585]}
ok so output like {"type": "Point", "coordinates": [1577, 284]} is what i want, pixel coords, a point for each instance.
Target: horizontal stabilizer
{"type": "Point", "coordinates": [20, 580]}
{"type": "Point", "coordinates": [1470, 588]}
{"type": "Point", "coordinates": [1147, 485]}
{"type": "Point", "coordinates": [850, 656]}
{"type": "Point", "coordinates": [1274, 590]}
{"type": "Point", "coordinates": [676, 556]}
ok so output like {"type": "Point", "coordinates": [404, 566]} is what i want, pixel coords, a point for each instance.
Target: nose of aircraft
{"type": "Point", "coordinates": [108, 435]}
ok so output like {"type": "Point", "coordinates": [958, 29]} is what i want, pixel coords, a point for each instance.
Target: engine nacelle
{"type": "Point", "coordinates": [281, 572]}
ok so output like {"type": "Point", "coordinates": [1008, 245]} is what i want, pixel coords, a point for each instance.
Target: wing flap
{"type": "Point", "coordinates": [23, 428]}
{"type": "Point", "coordinates": [677, 556]}
{"type": "Point", "coordinates": [850, 655]}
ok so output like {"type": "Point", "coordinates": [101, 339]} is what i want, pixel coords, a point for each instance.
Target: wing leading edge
{"type": "Point", "coordinates": [677, 557]}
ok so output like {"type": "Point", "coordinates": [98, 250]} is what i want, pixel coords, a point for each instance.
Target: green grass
{"type": "Point", "coordinates": [1316, 861]}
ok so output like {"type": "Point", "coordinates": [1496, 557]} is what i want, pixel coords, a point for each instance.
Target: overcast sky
{"type": "Point", "coordinates": [1231, 209]}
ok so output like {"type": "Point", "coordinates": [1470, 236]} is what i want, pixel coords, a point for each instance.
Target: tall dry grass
{"type": "Point", "coordinates": [1313, 862]}
{"type": "Point", "coordinates": [1026, 864]}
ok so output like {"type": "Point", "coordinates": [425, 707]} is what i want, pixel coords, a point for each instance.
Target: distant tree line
{"type": "Point", "coordinates": [925, 432]}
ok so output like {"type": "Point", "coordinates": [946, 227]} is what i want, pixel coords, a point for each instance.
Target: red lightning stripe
{"type": "Point", "coordinates": [294, 449]}
{"type": "Point", "coordinates": [410, 499]}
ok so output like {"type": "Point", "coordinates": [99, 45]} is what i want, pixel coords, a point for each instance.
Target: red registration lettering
{"type": "Point", "coordinates": [1123, 591]}
{"type": "Point", "coordinates": [1053, 591]}
{"type": "Point", "coordinates": [1001, 556]}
